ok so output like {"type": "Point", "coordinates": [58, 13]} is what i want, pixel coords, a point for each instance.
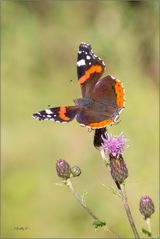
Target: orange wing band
{"type": "Point", "coordinates": [100, 124]}
{"type": "Point", "coordinates": [62, 114]}
{"type": "Point", "coordinates": [120, 94]}
{"type": "Point", "coordinates": [90, 71]}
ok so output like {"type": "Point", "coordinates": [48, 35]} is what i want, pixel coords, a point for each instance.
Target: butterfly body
{"type": "Point", "coordinates": [84, 102]}
{"type": "Point", "coordinates": [102, 99]}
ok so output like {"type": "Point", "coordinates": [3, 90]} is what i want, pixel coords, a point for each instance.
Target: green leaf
{"type": "Point", "coordinates": [64, 182]}
{"type": "Point", "coordinates": [146, 232]}
{"type": "Point", "coordinates": [114, 191]}
{"type": "Point", "coordinates": [97, 223]}
{"type": "Point", "coordinates": [106, 163]}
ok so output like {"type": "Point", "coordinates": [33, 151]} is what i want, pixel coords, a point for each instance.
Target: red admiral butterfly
{"type": "Point", "coordinates": [102, 99]}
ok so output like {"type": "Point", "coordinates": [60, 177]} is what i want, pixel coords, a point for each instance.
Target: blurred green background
{"type": "Point", "coordinates": [39, 52]}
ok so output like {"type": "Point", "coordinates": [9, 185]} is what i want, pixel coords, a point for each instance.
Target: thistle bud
{"type": "Point", "coordinates": [146, 206]}
{"type": "Point", "coordinates": [63, 169]}
{"type": "Point", "coordinates": [76, 171]}
{"type": "Point", "coordinates": [118, 168]}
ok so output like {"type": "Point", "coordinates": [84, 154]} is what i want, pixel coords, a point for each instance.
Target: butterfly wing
{"type": "Point", "coordinates": [59, 114]}
{"type": "Point", "coordinates": [98, 134]}
{"type": "Point", "coordinates": [89, 69]}
{"type": "Point", "coordinates": [107, 102]}
{"type": "Point", "coordinates": [109, 91]}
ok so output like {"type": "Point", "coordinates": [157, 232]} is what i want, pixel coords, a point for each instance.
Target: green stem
{"type": "Point", "coordinates": [148, 221]}
{"type": "Point", "coordinates": [83, 204]}
{"type": "Point", "coordinates": [78, 198]}
{"type": "Point", "coordinates": [127, 209]}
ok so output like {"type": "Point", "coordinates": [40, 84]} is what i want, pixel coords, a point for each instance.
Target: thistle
{"type": "Point", "coordinates": [118, 168]}
{"type": "Point", "coordinates": [63, 169]}
{"type": "Point", "coordinates": [146, 206]}
{"type": "Point", "coordinates": [76, 171]}
{"type": "Point", "coordinates": [114, 145]}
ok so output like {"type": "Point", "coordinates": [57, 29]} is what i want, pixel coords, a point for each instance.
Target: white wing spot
{"type": "Point", "coordinates": [48, 111]}
{"type": "Point", "coordinates": [81, 62]}
{"type": "Point", "coordinates": [82, 125]}
{"type": "Point", "coordinates": [88, 57]}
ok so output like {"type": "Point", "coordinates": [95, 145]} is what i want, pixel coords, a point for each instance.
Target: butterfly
{"type": "Point", "coordinates": [102, 98]}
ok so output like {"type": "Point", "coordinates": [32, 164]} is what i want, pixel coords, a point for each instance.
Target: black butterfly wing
{"type": "Point", "coordinates": [98, 134]}
{"type": "Point", "coordinates": [89, 69]}
{"type": "Point", "coordinates": [59, 114]}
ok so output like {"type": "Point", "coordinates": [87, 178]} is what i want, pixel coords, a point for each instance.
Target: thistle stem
{"type": "Point", "coordinates": [148, 221]}
{"type": "Point", "coordinates": [78, 198]}
{"type": "Point", "coordinates": [127, 209]}
{"type": "Point", "coordinates": [83, 204]}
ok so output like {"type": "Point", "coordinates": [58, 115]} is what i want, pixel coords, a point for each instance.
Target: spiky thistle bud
{"type": "Point", "coordinates": [118, 168]}
{"type": "Point", "coordinates": [63, 169]}
{"type": "Point", "coordinates": [146, 206]}
{"type": "Point", "coordinates": [76, 171]}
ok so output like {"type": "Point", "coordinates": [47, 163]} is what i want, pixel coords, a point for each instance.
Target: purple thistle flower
{"type": "Point", "coordinates": [114, 145]}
